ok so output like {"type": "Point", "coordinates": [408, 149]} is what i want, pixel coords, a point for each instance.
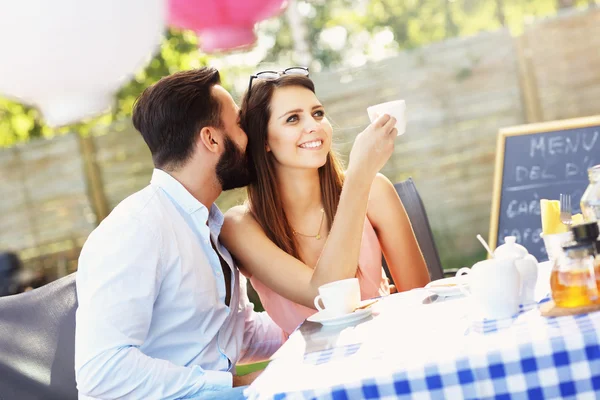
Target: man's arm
{"type": "Point", "coordinates": [262, 337]}
{"type": "Point", "coordinates": [118, 281]}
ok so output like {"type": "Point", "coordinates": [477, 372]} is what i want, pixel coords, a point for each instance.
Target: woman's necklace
{"type": "Point", "coordinates": [318, 235]}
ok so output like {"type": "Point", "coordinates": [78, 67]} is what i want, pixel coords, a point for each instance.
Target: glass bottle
{"type": "Point", "coordinates": [590, 201]}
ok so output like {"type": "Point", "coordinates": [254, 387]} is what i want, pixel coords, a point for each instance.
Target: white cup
{"type": "Point", "coordinates": [339, 297]}
{"type": "Point", "coordinates": [396, 109]}
{"type": "Point", "coordinates": [494, 287]}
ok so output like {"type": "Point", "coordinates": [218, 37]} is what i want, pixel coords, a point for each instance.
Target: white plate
{"type": "Point", "coordinates": [447, 286]}
{"type": "Point", "coordinates": [323, 317]}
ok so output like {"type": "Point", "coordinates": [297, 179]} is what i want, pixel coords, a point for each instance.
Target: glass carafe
{"type": "Point", "coordinates": [575, 279]}
{"type": "Point", "coordinates": [590, 201]}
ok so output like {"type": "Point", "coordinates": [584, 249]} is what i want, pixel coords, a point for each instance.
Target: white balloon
{"type": "Point", "coordinates": [69, 57]}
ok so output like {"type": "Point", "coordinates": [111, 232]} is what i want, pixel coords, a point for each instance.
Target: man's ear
{"type": "Point", "coordinates": [209, 138]}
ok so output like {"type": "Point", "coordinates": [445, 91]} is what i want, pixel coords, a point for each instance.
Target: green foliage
{"type": "Point", "coordinates": [17, 122]}
{"type": "Point", "coordinates": [413, 23]}
{"type": "Point", "coordinates": [179, 51]}
{"type": "Point", "coordinates": [246, 369]}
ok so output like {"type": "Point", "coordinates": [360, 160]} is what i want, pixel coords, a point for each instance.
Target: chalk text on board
{"type": "Point", "coordinates": [563, 144]}
{"type": "Point", "coordinates": [523, 207]}
{"type": "Point", "coordinates": [580, 144]}
{"type": "Point", "coordinates": [541, 173]}
{"type": "Point", "coordinates": [523, 236]}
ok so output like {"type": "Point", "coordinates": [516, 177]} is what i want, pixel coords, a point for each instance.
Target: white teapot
{"type": "Point", "coordinates": [493, 288]}
{"type": "Point", "coordinates": [526, 264]}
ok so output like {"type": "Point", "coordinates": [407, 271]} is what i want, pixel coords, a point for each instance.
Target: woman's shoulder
{"type": "Point", "coordinates": [237, 215]}
{"type": "Point", "coordinates": [238, 223]}
{"type": "Point", "coordinates": [241, 220]}
{"type": "Point", "coordinates": [382, 187]}
{"type": "Point", "coordinates": [382, 199]}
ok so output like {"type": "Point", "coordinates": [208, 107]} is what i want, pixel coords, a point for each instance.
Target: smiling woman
{"type": "Point", "coordinates": [300, 135]}
{"type": "Point", "coordinates": [307, 223]}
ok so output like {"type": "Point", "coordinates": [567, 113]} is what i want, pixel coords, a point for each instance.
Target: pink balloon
{"type": "Point", "coordinates": [222, 24]}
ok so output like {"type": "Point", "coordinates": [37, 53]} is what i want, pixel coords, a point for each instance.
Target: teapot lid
{"type": "Point", "coordinates": [510, 249]}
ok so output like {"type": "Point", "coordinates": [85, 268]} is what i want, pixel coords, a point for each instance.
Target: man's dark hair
{"type": "Point", "coordinates": [171, 113]}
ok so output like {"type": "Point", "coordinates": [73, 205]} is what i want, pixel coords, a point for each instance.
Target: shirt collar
{"type": "Point", "coordinates": [184, 199]}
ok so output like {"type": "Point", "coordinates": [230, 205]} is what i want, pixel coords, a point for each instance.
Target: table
{"type": "Point", "coordinates": [412, 350]}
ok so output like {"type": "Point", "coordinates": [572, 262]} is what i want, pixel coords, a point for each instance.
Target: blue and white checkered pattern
{"type": "Point", "coordinates": [325, 356]}
{"type": "Point", "coordinates": [494, 325]}
{"type": "Point", "coordinates": [531, 358]}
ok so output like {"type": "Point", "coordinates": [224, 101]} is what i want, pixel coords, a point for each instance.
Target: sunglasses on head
{"type": "Point", "coordinates": [272, 75]}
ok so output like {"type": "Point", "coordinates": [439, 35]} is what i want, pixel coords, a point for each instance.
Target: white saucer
{"type": "Point", "coordinates": [323, 317]}
{"type": "Point", "coordinates": [447, 286]}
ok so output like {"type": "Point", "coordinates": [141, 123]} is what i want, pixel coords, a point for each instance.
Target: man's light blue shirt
{"type": "Point", "coordinates": [152, 322]}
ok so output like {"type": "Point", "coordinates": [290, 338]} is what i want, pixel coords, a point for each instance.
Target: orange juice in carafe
{"type": "Point", "coordinates": [575, 278]}
{"type": "Point", "coordinates": [575, 288]}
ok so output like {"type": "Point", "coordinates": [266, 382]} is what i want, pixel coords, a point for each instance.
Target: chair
{"type": "Point", "coordinates": [37, 342]}
{"type": "Point", "coordinates": [10, 266]}
{"type": "Point", "coordinates": [420, 223]}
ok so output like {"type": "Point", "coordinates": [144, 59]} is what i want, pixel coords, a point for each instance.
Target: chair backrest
{"type": "Point", "coordinates": [407, 191]}
{"type": "Point", "coordinates": [10, 266]}
{"type": "Point", "coordinates": [37, 342]}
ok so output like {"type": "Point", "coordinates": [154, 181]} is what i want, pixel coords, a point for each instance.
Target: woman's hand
{"type": "Point", "coordinates": [373, 147]}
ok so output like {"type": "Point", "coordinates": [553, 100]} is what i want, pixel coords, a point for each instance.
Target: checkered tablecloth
{"type": "Point", "coordinates": [405, 353]}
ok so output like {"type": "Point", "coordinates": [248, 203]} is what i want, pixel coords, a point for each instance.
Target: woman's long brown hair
{"type": "Point", "coordinates": [263, 194]}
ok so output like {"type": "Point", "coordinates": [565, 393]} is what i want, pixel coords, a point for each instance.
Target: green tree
{"type": "Point", "coordinates": [413, 23]}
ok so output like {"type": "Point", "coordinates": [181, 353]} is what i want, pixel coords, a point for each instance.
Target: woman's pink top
{"type": "Point", "coordinates": [371, 276]}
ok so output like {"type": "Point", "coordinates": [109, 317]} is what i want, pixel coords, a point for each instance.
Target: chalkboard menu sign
{"type": "Point", "coordinates": [539, 161]}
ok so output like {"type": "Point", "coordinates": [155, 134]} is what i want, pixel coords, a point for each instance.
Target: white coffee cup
{"type": "Point", "coordinates": [339, 297]}
{"type": "Point", "coordinates": [396, 109]}
{"type": "Point", "coordinates": [494, 287]}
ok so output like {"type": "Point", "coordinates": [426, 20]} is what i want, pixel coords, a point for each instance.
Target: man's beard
{"type": "Point", "coordinates": [233, 168]}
